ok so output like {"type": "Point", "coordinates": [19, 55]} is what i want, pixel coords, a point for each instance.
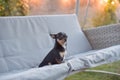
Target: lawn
{"type": "Point", "coordinates": [114, 67]}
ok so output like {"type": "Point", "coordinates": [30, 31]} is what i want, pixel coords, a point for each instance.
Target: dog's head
{"type": "Point", "coordinates": [61, 37]}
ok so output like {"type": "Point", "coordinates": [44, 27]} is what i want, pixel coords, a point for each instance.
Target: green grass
{"type": "Point", "coordinates": [114, 67]}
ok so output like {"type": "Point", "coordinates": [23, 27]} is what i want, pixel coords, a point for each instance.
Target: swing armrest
{"type": "Point", "coordinates": [104, 36]}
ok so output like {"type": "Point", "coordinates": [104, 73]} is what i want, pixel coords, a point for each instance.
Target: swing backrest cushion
{"type": "Point", "coordinates": [25, 40]}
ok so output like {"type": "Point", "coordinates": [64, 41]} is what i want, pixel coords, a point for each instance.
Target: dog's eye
{"type": "Point", "coordinates": [60, 38]}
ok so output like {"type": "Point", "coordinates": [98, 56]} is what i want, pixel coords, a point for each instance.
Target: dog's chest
{"type": "Point", "coordinates": [62, 54]}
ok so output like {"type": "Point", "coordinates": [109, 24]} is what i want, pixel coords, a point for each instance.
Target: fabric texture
{"type": "Point", "coordinates": [54, 72]}
{"type": "Point", "coordinates": [95, 58]}
{"type": "Point", "coordinates": [104, 36]}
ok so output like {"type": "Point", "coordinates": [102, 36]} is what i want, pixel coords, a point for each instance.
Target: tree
{"type": "Point", "coordinates": [107, 16]}
{"type": "Point", "coordinates": [13, 8]}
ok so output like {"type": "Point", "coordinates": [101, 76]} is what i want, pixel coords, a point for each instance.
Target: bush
{"type": "Point", "coordinates": [13, 8]}
{"type": "Point", "coordinates": [107, 16]}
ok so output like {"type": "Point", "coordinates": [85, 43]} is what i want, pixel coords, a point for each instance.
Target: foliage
{"type": "Point", "coordinates": [13, 8]}
{"type": "Point", "coordinates": [119, 1]}
{"type": "Point", "coordinates": [107, 16]}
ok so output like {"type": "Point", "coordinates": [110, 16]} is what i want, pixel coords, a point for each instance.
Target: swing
{"type": "Point", "coordinates": [25, 41]}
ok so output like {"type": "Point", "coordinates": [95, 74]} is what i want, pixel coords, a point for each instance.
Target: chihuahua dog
{"type": "Point", "coordinates": [56, 55]}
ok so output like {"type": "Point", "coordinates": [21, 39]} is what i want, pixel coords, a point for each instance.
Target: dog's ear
{"type": "Point", "coordinates": [53, 36]}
